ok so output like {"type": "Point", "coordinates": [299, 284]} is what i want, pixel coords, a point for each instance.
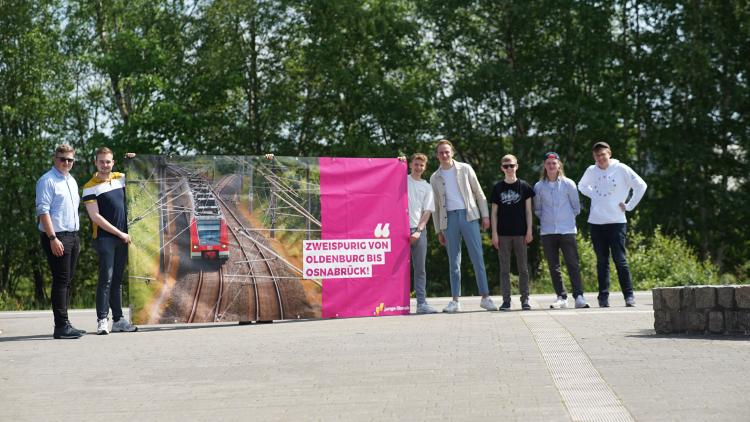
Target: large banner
{"type": "Point", "coordinates": [220, 238]}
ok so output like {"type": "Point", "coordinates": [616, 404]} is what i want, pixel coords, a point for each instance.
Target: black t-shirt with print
{"type": "Point", "coordinates": [511, 206]}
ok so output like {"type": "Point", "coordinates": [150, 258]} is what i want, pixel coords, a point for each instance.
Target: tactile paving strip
{"type": "Point", "coordinates": [585, 393]}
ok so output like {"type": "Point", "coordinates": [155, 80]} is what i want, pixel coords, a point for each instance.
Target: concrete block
{"type": "Point", "coordinates": [671, 298]}
{"type": "Point", "coordinates": [656, 295]}
{"type": "Point", "coordinates": [743, 322]}
{"type": "Point", "coordinates": [742, 296]}
{"type": "Point", "coordinates": [696, 322]}
{"type": "Point", "coordinates": [725, 297]}
{"type": "Point", "coordinates": [716, 322]}
{"type": "Point", "coordinates": [662, 324]}
{"type": "Point", "coordinates": [678, 321]}
{"type": "Point", "coordinates": [688, 298]}
{"type": "Point", "coordinates": [731, 325]}
{"type": "Point", "coordinates": [705, 297]}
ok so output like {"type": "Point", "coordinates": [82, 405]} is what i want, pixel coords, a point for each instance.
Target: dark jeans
{"type": "Point", "coordinates": [63, 270]}
{"type": "Point", "coordinates": [552, 245]}
{"type": "Point", "coordinates": [113, 255]}
{"type": "Point", "coordinates": [606, 238]}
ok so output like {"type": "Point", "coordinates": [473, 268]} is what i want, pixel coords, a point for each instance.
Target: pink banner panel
{"type": "Point", "coordinates": [364, 247]}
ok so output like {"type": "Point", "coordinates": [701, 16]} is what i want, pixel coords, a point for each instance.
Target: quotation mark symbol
{"type": "Point", "coordinates": [382, 230]}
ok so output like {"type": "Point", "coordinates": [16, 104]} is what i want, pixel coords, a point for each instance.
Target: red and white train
{"type": "Point", "coordinates": [208, 229]}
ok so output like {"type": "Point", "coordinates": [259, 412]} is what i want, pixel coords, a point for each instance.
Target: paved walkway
{"type": "Point", "coordinates": [543, 365]}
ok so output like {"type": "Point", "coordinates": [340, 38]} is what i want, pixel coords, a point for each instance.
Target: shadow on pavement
{"type": "Point", "coordinates": [651, 334]}
{"type": "Point", "coordinates": [24, 338]}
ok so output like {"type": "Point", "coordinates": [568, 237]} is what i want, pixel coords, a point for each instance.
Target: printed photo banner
{"type": "Point", "coordinates": [236, 238]}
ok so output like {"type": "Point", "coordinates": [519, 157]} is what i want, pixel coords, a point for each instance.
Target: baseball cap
{"type": "Point", "coordinates": [600, 145]}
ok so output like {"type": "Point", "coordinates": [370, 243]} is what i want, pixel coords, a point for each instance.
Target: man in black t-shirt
{"type": "Point", "coordinates": [511, 228]}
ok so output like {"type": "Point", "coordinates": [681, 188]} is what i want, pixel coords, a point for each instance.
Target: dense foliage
{"type": "Point", "coordinates": [664, 82]}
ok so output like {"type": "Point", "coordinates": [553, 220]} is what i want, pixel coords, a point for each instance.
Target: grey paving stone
{"type": "Point", "coordinates": [470, 366]}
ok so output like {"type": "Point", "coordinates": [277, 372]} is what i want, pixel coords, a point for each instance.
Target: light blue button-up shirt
{"type": "Point", "coordinates": [57, 195]}
{"type": "Point", "coordinates": [557, 204]}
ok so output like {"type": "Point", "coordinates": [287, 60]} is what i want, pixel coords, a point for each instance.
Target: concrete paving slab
{"type": "Point", "coordinates": [468, 366]}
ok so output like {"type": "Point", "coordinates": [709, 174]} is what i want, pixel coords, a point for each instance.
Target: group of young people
{"type": "Point", "coordinates": [57, 202]}
{"type": "Point", "coordinates": [453, 198]}
{"type": "Point", "coordinates": [455, 201]}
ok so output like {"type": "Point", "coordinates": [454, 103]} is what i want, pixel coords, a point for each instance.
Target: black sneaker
{"type": "Point", "coordinates": [525, 306]}
{"type": "Point", "coordinates": [66, 332]}
{"type": "Point", "coordinates": [76, 329]}
{"type": "Point", "coordinates": [81, 332]}
{"type": "Point", "coordinates": [604, 303]}
{"type": "Point", "coordinates": [505, 306]}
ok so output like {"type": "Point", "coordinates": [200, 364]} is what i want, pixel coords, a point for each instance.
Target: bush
{"type": "Point", "coordinates": [655, 261]}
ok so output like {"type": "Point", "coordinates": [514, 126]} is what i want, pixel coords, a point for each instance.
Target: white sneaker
{"type": "Point", "coordinates": [424, 308]}
{"type": "Point", "coordinates": [581, 302]}
{"type": "Point", "coordinates": [560, 303]}
{"type": "Point", "coordinates": [102, 327]}
{"type": "Point", "coordinates": [123, 325]}
{"type": "Point", "coordinates": [453, 307]}
{"type": "Point", "coordinates": [488, 304]}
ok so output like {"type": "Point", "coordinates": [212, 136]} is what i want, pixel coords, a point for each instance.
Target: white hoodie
{"type": "Point", "coordinates": [607, 188]}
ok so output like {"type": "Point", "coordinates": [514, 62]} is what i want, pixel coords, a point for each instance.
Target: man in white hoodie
{"type": "Point", "coordinates": [608, 184]}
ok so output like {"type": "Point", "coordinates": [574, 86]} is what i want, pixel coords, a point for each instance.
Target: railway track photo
{"type": "Point", "coordinates": [218, 258]}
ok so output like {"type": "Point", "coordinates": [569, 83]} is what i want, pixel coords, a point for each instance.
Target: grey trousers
{"type": "Point", "coordinates": [552, 245]}
{"type": "Point", "coordinates": [418, 264]}
{"type": "Point", "coordinates": [518, 244]}
{"type": "Point", "coordinates": [113, 255]}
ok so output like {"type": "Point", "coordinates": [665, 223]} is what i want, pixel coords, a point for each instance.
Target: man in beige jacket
{"type": "Point", "coordinates": [459, 204]}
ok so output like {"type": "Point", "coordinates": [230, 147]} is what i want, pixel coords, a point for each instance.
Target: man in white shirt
{"type": "Point", "coordinates": [608, 183]}
{"type": "Point", "coordinates": [421, 206]}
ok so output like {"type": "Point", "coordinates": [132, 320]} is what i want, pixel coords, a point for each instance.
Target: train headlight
{"type": "Point", "coordinates": [195, 246]}
{"type": "Point", "coordinates": [224, 246]}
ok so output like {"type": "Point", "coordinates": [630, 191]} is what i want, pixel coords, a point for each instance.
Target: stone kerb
{"type": "Point", "coordinates": [702, 309]}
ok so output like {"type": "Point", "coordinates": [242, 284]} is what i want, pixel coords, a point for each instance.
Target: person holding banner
{"type": "Point", "coordinates": [421, 206]}
{"type": "Point", "coordinates": [104, 198]}
{"type": "Point", "coordinates": [459, 204]}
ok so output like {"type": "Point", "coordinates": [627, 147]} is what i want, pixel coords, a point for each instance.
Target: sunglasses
{"type": "Point", "coordinates": [66, 160]}
{"type": "Point", "coordinates": [551, 155]}
{"type": "Point", "coordinates": [509, 166]}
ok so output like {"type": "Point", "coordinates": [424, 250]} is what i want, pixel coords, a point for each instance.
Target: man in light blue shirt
{"type": "Point", "coordinates": [556, 204]}
{"type": "Point", "coordinates": [57, 202]}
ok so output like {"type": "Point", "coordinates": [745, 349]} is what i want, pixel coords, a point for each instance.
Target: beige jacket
{"type": "Point", "coordinates": [471, 192]}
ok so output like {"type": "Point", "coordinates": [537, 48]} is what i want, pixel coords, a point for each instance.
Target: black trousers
{"type": "Point", "coordinates": [63, 270]}
{"type": "Point", "coordinates": [606, 238]}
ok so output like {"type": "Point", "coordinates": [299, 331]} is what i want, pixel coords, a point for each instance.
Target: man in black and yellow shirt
{"type": "Point", "coordinates": [104, 197]}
